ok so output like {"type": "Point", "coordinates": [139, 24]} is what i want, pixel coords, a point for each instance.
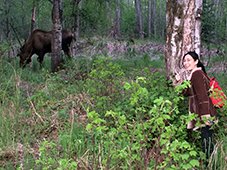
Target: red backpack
{"type": "Point", "coordinates": [217, 96]}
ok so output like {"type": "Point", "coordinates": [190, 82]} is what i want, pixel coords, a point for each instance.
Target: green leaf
{"type": "Point", "coordinates": [194, 163]}
{"type": "Point", "coordinates": [185, 156]}
{"type": "Point", "coordinates": [141, 79]}
{"type": "Point", "coordinates": [127, 86]}
{"type": "Point", "coordinates": [89, 126]}
{"type": "Point", "coordinates": [193, 153]}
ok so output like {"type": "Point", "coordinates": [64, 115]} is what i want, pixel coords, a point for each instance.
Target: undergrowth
{"type": "Point", "coordinates": [98, 114]}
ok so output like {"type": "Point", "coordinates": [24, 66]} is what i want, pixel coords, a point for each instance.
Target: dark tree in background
{"type": "Point", "coordinates": [118, 18]}
{"type": "Point", "coordinates": [139, 19]}
{"type": "Point", "coordinates": [33, 19]}
{"type": "Point", "coordinates": [6, 8]}
{"type": "Point", "coordinates": [76, 14]}
{"type": "Point", "coordinates": [56, 57]}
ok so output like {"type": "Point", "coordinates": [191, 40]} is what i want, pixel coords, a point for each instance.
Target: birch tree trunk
{"type": "Point", "coordinates": [57, 36]}
{"type": "Point", "coordinates": [198, 27]}
{"type": "Point", "coordinates": [183, 21]}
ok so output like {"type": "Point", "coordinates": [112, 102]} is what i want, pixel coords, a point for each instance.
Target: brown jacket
{"type": "Point", "coordinates": [199, 100]}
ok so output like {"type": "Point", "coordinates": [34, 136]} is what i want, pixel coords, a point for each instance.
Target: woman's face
{"type": "Point", "coordinates": [189, 63]}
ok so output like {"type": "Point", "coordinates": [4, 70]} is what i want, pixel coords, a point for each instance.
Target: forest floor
{"type": "Point", "coordinates": [215, 59]}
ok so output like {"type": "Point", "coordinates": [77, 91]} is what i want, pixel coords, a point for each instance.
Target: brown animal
{"type": "Point", "coordinates": [39, 42]}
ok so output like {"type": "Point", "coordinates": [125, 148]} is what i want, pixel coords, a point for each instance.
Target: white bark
{"type": "Point", "coordinates": [198, 11]}
{"type": "Point", "coordinates": [183, 33]}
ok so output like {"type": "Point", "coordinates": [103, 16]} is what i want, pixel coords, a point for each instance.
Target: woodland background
{"type": "Point", "coordinates": [111, 106]}
{"type": "Point", "coordinates": [107, 18]}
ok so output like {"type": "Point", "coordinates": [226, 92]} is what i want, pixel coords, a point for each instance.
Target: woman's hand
{"type": "Point", "coordinates": [207, 119]}
{"type": "Point", "coordinates": [178, 78]}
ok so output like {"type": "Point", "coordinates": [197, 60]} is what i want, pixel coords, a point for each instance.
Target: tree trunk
{"type": "Point", "coordinates": [6, 20]}
{"type": "Point", "coordinates": [198, 27]}
{"type": "Point", "coordinates": [183, 33]}
{"type": "Point", "coordinates": [57, 36]}
{"type": "Point", "coordinates": [118, 19]}
{"type": "Point", "coordinates": [160, 28]}
{"type": "Point", "coordinates": [226, 27]}
{"type": "Point", "coordinates": [61, 13]}
{"type": "Point", "coordinates": [139, 19]}
{"type": "Point", "coordinates": [33, 16]}
{"type": "Point", "coordinates": [76, 13]}
{"type": "Point", "coordinates": [152, 17]}
{"type": "Point", "coordinates": [149, 18]}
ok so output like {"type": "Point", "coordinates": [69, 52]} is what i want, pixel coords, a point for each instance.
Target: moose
{"type": "Point", "coordinates": [39, 42]}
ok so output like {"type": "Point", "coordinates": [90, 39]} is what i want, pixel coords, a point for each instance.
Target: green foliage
{"type": "Point", "coordinates": [185, 84]}
{"type": "Point", "coordinates": [49, 158]}
{"type": "Point", "coordinates": [128, 18]}
{"type": "Point", "coordinates": [94, 17]}
{"type": "Point", "coordinates": [132, 115]}
{"type": "Point", "coordinates": [4, 47]}
{"type": "Point", "coordinates": [214, 21]}
{"type": "Point", "coordinates": [208, 25]}
{"type": "Point", "coordinates": [141, 120]}
{"type": "Point", "coordinates": [104, 82]}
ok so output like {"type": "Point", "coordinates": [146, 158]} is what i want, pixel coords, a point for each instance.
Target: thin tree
{"type": "Point", "coordinates": [33, 19]}
{"type": "Point", "coordinates": [118, 18]}
{"type": "Point", "coordinates": [114, 18]}
{"type": "Point", "coordinates": [57, 36]}
{"type": "Point", "coordinates": [139, 19]}
{"type": "Point", "coordinates": [6, 18]}
{"type": "Point", "coordinates": [76, 14]}
{"type": "Point", "coordinates": [151, 16]}
{"type": "Point", "coordinates": [183, 33]}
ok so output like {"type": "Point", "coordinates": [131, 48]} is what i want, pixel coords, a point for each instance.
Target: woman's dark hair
{"type": "Point", "coordinates": [195, 56]}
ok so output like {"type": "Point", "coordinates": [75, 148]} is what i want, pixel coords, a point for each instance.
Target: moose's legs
{"type": "Point", "coordinates": [40, 58]}
{"type": "Point", "coordinates": [66, 49]}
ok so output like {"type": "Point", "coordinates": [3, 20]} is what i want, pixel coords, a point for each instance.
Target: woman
{"type": "Point", "coordinates": [199, 100]}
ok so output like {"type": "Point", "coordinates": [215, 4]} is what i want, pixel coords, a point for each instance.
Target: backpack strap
{"type": "Point", "coordinates": [208, 78]}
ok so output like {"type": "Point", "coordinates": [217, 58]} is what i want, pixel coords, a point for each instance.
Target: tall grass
{"type": "Point", "coordinates": [219, 157]}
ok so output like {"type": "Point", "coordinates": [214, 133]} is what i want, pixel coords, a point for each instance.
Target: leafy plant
{"type": "Point", "coordinates": [144, 121]}
{"type": "Point", "coordinates": [49, 158]}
